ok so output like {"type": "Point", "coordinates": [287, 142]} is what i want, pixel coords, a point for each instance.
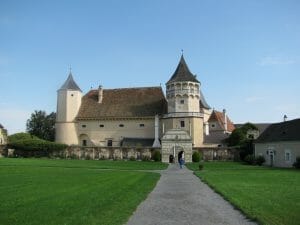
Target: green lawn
{"type": "Point", "coordinates": [72, 192]}
{"type": "Point", "coordinates": [270, 196]}
{"type": "Point", "coordinates": [88, 164]}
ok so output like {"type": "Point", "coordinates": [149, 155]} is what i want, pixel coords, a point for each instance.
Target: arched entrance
{"type": "Point", "coordinates": [176, 141]}
{"type": "Point", "coordinates": [177, 152]}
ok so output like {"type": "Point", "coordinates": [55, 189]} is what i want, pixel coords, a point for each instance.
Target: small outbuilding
{"type": "Point", "coordinates": [174, 143]}
{"type": "Point", "coordinates": [280, 144]}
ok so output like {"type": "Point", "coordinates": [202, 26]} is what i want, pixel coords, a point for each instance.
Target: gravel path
{"type": "Point", "coordinates": [181, 198]}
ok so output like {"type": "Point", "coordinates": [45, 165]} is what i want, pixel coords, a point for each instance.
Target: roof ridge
{"type": "Point", "coordinates": [129, 88]}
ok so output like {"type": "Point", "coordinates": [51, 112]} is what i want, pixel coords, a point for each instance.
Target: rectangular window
{"type": "Point", "coordinates": [142, 125]}
{"type": "Point", "coordinates": [83, 142]}
{"type": "Point", "coordinates": [121, 125]}
{"type": "Point", "coordinates": [101, 125]}
{"type": "Point", "coordinates": [182, 124]}
{"type": "Point", "coordinates": [182, 101]}
{"type": "Point", "coordinates": [83, 126]}
{"type": "Point", "coordinates": [109, 143]}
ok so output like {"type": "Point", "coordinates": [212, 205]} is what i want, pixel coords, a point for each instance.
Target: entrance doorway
{"type": "Point", "coordinates": [271, 158]}
{"type": "Point", "coordinates": [171, 159]}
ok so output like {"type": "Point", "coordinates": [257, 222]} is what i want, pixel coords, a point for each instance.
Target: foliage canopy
{"type": "Point", "coordinates": [42, 125]}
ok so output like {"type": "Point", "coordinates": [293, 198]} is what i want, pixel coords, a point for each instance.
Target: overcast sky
{"type": "Point", "coordinates": [245, 53]}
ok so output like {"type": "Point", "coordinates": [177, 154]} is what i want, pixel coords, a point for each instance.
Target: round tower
{"type": "Point", "coordinates": [68, 104]}
{"type": "Point", "coordinates": [183, 96]}
{"type": "Point", "coordinates": [183, 91]}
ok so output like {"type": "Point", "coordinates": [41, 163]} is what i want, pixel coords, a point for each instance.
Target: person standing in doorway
{"type": "Point", "coordinates": [181, 159]}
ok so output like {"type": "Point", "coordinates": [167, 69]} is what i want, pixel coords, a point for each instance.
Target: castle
{"type": "Point", "coordinates": [139, 116]}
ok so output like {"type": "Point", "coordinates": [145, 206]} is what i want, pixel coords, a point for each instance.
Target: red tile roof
{"type": "Point", "coordinates": [217, 116]}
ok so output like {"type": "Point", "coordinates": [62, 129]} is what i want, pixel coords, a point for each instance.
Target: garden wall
{"type": "Point", "coordinates": [218, 153]}
{"type": "Point", "coordinates": [96, 153]}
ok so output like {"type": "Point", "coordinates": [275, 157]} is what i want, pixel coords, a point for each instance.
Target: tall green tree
{"type": "Point", "coordinates": [42, 125]}
{"type": "Point", "coordinates": [238, 139]}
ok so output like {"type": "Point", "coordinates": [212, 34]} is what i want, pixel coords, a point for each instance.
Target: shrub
{"type": "Point", "coordinates": [146, 158]}
{"type": "Point", "coordinates": [259, 160]}
{"type": "Point", "coordinates": [201, 166]}
{"type": "Point", "coordinates": [27, 145]}
{"type": "Point", "coordinates": [132, 158]}
{"type": "Point", "coordinates": [156, 156]}
{"type": "Point", "coordinates": [297, 163]}
{"type": "Point", "coordinates": [250, 159]}
{"type": "Point", "coordinates": [196, 157]}
{"type": "Point", "coordinates": [21, 136]}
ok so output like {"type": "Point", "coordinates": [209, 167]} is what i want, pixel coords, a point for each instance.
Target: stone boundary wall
{"type": "Point", "coordinates": [117, 153]}
{"type": "Point", "coordinates": [221, 154]}
{"type": "Point", "coordinates": [98, 153]}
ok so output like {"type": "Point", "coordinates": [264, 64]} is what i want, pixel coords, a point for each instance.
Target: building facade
{"type": "Point", "coordinates": [279, 144]}
{"type": "Point", "coordinates": [132, 116]}
{"type": "Point", "coordinates": [3, 135]}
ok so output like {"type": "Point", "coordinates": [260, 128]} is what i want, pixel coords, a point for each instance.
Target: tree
{"type": "Point", "coordinates": [238, 138]}
{"type": "Point", "coordinates": [42, 125]}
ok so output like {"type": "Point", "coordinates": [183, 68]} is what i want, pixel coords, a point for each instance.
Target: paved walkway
{"type": "Point", "coordinates": [181, 198]}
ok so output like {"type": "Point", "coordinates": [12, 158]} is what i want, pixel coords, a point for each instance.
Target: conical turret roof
{"type": "Point", "coordinates": [182, 73]}
{"type": "Point", "coordinates": [70, 84]}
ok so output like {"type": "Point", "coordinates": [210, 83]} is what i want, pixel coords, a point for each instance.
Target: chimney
{"type": "Point", "coordinates": [156, 143]}
{"type": "Point", "coordinates": [100, 94]}
{"type": "Point", "coordinates": [225, 120]}
{"type": "Point", "coordinates": [285, 118]}
{"type": "Point", "coordinates": [206, 128]}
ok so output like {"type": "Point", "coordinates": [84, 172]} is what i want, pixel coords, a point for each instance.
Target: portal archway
{"type": "Point", "coordinates": [173, 142]}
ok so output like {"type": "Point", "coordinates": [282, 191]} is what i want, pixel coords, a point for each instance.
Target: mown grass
{"type": "Point", "coordinates": [270, 196]}
{"type": "Point", "coordinates": [45, 192]}
{"type": "Point", "coordinates": [90, 164]}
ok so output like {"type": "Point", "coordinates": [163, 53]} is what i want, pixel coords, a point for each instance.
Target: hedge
{"type": "Point", "coordinates": [36, 145]}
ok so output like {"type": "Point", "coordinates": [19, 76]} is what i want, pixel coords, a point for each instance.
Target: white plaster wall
{"type": "Point", "coordinates": [279, 148]}
{"type": "Point", "coordinates": [68, 104]}
{"type": "Point", "coordinates": [111, 130]}
{"type": "Point", "coordinates": [66, 133]}
{"type": "Point", "coordinates": [193, 126]}
{"type": "Point", "coordinates": [187, 91]}
{"type": "Point", "coordinates": [3, 137]}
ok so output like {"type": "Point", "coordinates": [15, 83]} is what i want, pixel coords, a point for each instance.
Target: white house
{"type": "Point", "coordinates": [280, 143]}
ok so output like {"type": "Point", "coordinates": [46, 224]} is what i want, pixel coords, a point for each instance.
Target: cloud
{"type": "Point", "coordinates": [14, 120]}
{"type": "Point", "coordinates": [275, 60]}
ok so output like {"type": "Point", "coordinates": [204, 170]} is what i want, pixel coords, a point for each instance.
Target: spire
{"type": "Point", "coordinates": [182, 73]}
{"type": "Point", "coordinates": [70, 84]}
